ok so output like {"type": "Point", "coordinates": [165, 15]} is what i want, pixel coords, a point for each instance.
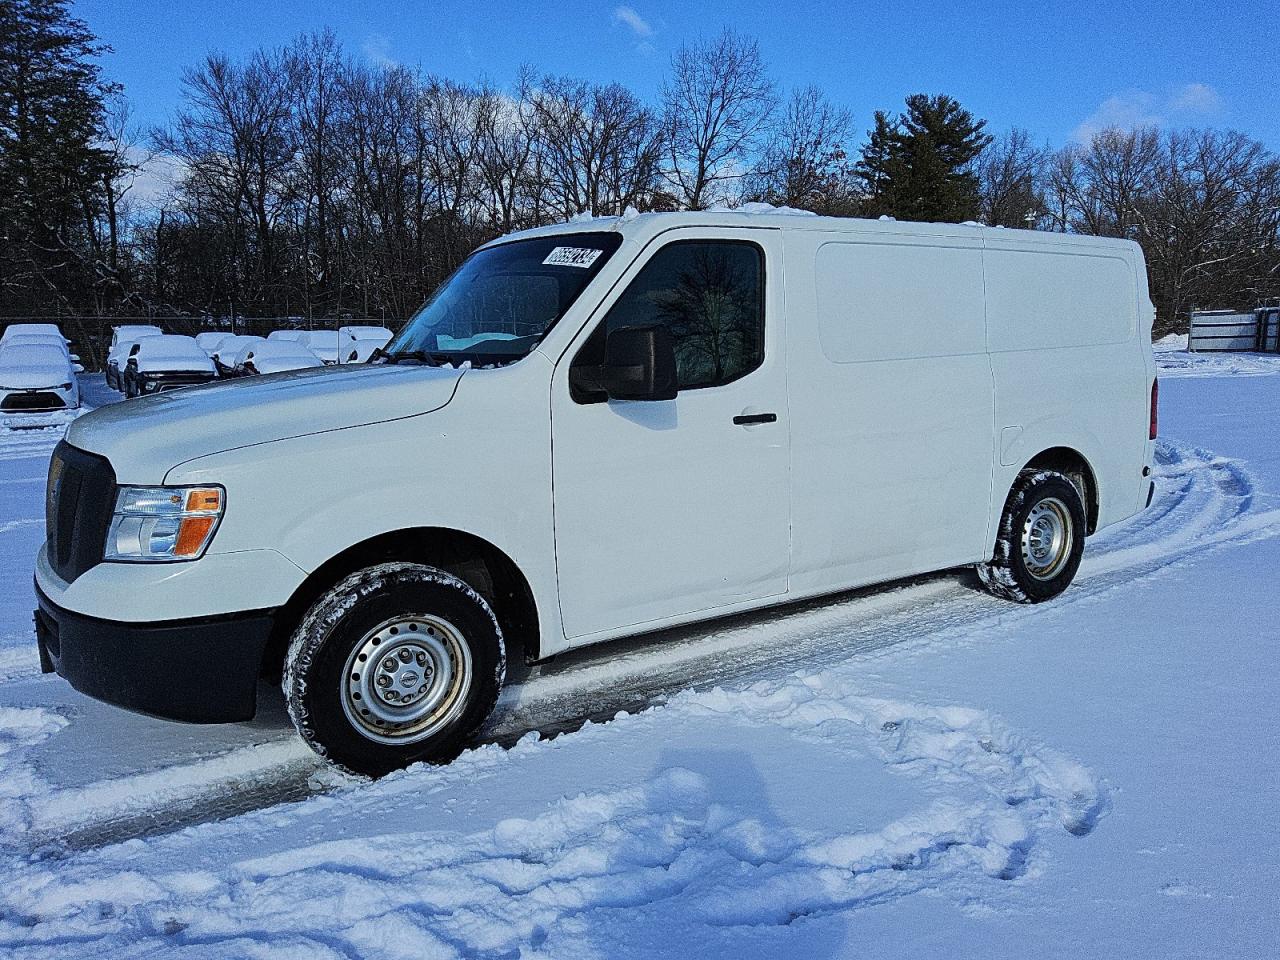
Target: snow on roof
{"type": "Point", "coordinates": [15, 329]}
{"type": "Point", "coordinates": [23, 353]}
{"type": "Point", "coordinates": [274, 348]}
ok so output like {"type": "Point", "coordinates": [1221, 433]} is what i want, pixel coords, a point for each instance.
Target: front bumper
{"type": "Point", "coordinates": [170, 380]}
{"type": "Point", "coordinates": [202, 670]}
{"type": "Point", "coordinates": [38, 400]}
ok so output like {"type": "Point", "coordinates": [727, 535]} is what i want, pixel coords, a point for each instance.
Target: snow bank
{"type": "Point", "coordinates": [20, 787]}
{"type": "Point", "coordinates": [962, 804]}
{"type": "Point", "coordinates": [1178, 362]}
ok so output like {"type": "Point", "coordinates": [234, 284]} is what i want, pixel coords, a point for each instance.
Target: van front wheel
{"type": "Point", "coordinates": [397, 663]}
{"type": "Point", "coordinates": [1041, 539]}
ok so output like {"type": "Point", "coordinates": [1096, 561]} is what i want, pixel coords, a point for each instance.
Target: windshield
{"type": "Point", "coordinates": [500, 303]}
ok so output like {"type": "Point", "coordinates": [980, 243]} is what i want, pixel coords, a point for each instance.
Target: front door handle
{"type": "Point", "coordinates": [744, 419]}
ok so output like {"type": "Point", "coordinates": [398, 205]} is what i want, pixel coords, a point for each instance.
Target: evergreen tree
{"type": "Point", "coordinates": [53, 168]}
{"type": "Point", "coordinates": [918, 166]}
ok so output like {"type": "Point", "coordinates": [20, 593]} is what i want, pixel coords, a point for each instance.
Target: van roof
{"type": "Point", "coordinates": [763, 215]}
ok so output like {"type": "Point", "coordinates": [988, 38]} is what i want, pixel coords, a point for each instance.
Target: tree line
{"type": "Point", "coordinates": [308, 182]}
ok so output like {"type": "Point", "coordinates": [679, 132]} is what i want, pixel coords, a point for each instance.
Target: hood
{"type": "Point", "coordinates": [36, 376]}
{"type": "Point", "coordinates": [201, 364]}
{"type": "Point", "coordinates": [265, 365]}
{"type": "Point", "coordinates": [145, 437]}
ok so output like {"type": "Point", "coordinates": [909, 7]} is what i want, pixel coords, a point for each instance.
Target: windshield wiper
{"type": "Point", "coordinates": [422, 356]}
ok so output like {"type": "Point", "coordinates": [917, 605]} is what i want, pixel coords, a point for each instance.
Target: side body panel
{"type": "Point", "coordinates": [1069, 333]}
{"type": "Point", "coordinates": [891, 401]}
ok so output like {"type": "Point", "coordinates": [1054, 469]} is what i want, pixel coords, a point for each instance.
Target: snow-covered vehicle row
{"type": "Point", "coordinates": [236, 355]}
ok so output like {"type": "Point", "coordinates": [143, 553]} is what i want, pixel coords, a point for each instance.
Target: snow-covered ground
{"type": "Point", "coordinates": [913, 771]}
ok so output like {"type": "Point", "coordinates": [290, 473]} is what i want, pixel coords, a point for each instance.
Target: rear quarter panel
{"type": "Point", "coordinates": [1069, 330]}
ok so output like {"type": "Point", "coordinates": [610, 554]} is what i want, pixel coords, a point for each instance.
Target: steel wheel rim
{"type": "Point", "coordinates": [1047, 536]}
{"type": "Point", "coordinates": [406, 679]}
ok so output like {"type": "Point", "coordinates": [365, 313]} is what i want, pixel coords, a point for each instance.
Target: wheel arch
{"type": "Point", "coordinates": [487, 568]}
{"type": "Point", "coordinates": [1076, 466]}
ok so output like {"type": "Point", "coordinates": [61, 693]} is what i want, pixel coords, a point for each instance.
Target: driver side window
{"type": "Point", "coordinates": [710, 295]}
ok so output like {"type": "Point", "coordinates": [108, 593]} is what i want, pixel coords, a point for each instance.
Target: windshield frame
{"type": "Point", "coordinates": [405, 345]}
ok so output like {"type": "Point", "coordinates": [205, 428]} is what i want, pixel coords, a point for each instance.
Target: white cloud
{"type": "Point", "coordinates": [1134, 109]}
{"type": "Point", "coordinates": [1196, 98]}
{"type": "Point", "coordinates": [377, 50]}
{"type": "Point", "coordinates": [633, 21]}
{"type": "Point", "coordinates": [155, 179]}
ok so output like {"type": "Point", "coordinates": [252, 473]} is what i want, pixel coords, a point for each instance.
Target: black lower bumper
{"type": "Point", "coordinates": [202, 671]}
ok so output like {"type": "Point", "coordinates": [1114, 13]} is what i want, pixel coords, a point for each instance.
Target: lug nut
{"type": "Point", "coordinates": [392, 695]}
{"type": "Point", "coordinates": [422, 658]}
{"type": "Point", "coordinates": [405, 656]}
{"type": "Point", "coordinates": [384, 681]}
{"type": "Point", "coordinates": [389, 663]}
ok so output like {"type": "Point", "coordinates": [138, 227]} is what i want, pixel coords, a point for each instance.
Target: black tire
{"type": "Point", "coordinates": [1020, 569]}
{"type": "Point", "coordinates": [321, 672]}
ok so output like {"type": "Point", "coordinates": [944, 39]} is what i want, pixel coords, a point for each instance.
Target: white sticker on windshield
{"type": "Point", "coordinates": [572, 257]}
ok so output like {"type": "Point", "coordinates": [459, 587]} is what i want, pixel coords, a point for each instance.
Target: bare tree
{"type": "Point", "coordinates": [1204, 205]}
{"type": "Point", "coordinates": [314, 65]}
{"type": "Point", "coordinates": [717, 104]}
{"type": "Point", "coordinates": [1097, 186]}
{"type": "Point", "coordinates": [1210, 228]}
{"type": "Point", "coordinates": [599, 147]}
{"type": "Point", "coordinates": [1011, 175]}
{"type": "Point", "coordinates": [805, 163]}
{"type": "Point", "coordinates": [235, 138]}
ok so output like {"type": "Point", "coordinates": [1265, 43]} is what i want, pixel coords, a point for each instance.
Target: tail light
{"type": "Point", "coordinates": [1155, 407]}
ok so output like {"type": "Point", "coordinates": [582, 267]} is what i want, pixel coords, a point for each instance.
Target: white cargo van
{"type": "Point", "coordinates": [593, 430]}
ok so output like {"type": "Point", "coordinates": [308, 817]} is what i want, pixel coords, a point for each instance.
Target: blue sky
{"type": "Point", "coordinates": [1057, 69]}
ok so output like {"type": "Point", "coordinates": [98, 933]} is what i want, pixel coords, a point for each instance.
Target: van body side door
{"type": "Point", "coordinates": [892, 431]}
{"type": "Point", "coordinates": [664, 509]}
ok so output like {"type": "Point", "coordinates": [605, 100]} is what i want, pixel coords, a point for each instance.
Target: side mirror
{"type": "Point", "coordinates": [640, 364]}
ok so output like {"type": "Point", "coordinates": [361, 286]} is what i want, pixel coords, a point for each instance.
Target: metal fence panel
{"type": "Point", "coordinates": [1222, 330]}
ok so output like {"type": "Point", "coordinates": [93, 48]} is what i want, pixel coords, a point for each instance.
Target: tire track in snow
{"type": "Point", "coordinates": [1203, 500]}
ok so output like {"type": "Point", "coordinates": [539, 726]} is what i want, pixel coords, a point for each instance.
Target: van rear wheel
{"type": "Point", "coordinates": [1041, 539]}
{"type": "Point", "coordinates": [395, 664]}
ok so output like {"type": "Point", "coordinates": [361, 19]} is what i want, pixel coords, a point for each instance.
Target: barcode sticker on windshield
{"type": "Point", "coordinates": [572, 257]}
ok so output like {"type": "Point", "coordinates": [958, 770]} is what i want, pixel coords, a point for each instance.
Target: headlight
{"type": "Point", "coordinates": [164, 523]}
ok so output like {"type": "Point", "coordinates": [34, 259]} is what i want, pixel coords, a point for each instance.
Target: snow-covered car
{"type": "Point", "coordinates": [36, 377]}
{"type": "Point", "coordinates": [208, 341]}
{"type": "Point", "coordinates": [166, 362]}
{"type": "Point", "coordinates": [358, 343]}
{"type": "Point", "coordinates": [592, 431]}
{"type": "Point", "coordinates": [361, 351]}
{"type": "Point", "coordinates": [225, 353]}
{"type": "Point", "coordinates": [30, 329]}
{"type": "Point", "coordinates": [274, 356]}
{"type": "Point", "coordinates": [365, 332]}
{"type": "Point", "coordinates": [286, 334]}
{"type": "Point", "coordinates": [133, 331]}
{"type": "Point", "coordinates": [46, 340]}
{"type": "Point", "coordinates": [123, 338]}
{"type": "Point", "coordinates": [325, 344]}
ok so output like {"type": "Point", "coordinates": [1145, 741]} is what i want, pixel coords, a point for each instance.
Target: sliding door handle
{"type": "Point", "coordinates": [745, 419]}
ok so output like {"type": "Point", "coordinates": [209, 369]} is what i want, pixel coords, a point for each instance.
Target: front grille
{"type": "Point", "coordinates": [43, 400]}
{"type": "Point", "coordinates": [79, 498]}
